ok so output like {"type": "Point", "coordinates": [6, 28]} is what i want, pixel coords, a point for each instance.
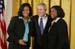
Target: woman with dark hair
{"type": "Point", "coordinates": [19, 29]}
{"type": "Point", "coordinates": [58, 32]}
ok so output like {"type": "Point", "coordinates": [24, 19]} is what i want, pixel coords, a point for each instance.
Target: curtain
{"type": "Point", "coordinates": [65, 4]}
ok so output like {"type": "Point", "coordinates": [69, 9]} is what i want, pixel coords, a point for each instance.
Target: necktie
{"type": "Point", "coordinates": [41, 25]}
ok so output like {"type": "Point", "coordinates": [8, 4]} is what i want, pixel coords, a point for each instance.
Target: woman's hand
{"type": "Point", "coordinates": [21, 42]}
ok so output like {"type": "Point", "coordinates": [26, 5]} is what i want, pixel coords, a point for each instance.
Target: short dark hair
{"type": "Point", "coordinates": [22, 8]}
{"type": "Point", "coordinates": [60, 11]}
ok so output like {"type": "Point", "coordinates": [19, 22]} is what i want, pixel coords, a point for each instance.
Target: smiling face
{"type": "Point", "coordinates": [26, 11]}
{"type": "Point", "coordinates": [53, 13]}
{"type": "Point", "coordinates": [41, 11]}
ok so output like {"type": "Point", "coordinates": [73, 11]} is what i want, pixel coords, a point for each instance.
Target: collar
{"type": "Point", "coordinates": [43, 16]}
{"type": "Point", "coordinates": [22, 18]}
{"type": "Point", "coordinates": [56, 20]}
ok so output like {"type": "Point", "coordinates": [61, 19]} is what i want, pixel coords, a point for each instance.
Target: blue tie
{"type": "Point", "coordinates": [41, 25]}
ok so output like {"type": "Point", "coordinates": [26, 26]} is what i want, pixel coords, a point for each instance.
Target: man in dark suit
{"type": "Point", "coordinates": [40, 23]}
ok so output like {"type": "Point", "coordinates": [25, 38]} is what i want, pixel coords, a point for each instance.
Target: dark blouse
{"type": "Point", "coordinates": [58, 36]}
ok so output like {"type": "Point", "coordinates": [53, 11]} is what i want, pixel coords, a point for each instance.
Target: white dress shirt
{"type": "Point", "coordinates": [44, 19]}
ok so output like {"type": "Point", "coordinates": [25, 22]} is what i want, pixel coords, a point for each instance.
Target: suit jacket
{"type": "Point", "coordinates": [16, 30]}
{"type": "Point", "coordinates": [58, 36]}
{"type": "Point", "coordinates": [40, 41]}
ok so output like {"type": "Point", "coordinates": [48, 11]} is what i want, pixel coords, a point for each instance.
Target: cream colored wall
{"type": "Point", "coordinates": [8, 13]}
